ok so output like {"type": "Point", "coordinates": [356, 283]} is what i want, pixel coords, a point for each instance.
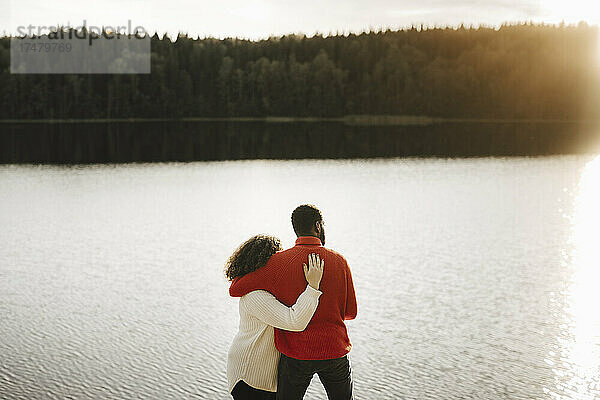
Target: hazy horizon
{"type": "Point", "coordinates": [265, 18]}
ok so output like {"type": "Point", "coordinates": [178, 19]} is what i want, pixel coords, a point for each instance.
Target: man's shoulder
{"type": "Point", "coordinates": [289, 255]}
{"type": "Point", "coordinates": [337, 256]}
{"type": "Point", "coordinates": [283, 256]}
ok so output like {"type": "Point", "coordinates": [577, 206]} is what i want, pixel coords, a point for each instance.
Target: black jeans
{"type": "Point", "coordinates": [293, 377]}
{"type": "Point", "coordinates": [243, 391]}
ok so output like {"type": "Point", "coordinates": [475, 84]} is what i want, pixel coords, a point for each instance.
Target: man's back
{"type": "Point", "coordinates": [326, 336]}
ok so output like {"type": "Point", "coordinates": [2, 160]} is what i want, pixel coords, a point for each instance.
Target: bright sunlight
{"type": "Point", "coordinates": [571, 11]}
{"type": "Point", "coordinates": [581, 354]}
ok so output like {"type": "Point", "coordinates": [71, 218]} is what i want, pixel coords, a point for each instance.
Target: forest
{"type": "Point", "coordinates": [518, 71]}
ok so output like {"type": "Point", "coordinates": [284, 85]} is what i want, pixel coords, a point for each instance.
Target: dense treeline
{"type": "Point", "coordinates": [516, 71]}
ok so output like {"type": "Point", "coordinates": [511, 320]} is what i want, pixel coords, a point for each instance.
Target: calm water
{"type": "Point", "coordinates": [476, 278]}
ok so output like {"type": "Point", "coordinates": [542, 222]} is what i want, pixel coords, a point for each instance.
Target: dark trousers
{"type": "Point", "coordinates": [293, 377]}
{"type": "Point", "coordinates": [243, 391]}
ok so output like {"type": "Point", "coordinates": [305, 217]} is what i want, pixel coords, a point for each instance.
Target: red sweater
{"type": "Point", "coordinates": [326, 336]}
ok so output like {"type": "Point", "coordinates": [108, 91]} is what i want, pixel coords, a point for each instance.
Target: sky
{"type": "Point", "coordinates": [257, 19]}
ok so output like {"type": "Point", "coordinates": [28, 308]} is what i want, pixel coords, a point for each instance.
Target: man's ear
{"type": "Point", "coordinates": [318, 227]}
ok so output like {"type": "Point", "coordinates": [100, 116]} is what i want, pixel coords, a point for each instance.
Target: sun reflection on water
{"type": "Point", "coordinates": [578, 376]}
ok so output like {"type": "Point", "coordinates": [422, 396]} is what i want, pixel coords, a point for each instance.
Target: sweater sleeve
{"type": "Point", "coordinates": [264, 306]}
{"type": "Point", "coordinates": [351, 306]}
{"type": "Point", "coordinates": [261, 279]}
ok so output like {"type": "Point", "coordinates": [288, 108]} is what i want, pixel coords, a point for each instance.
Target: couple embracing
{"type": "Point", "coordinates": [292, 306]}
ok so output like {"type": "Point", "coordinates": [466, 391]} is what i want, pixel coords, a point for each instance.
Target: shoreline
{"type": "Point", "coordinates": [355, 120]}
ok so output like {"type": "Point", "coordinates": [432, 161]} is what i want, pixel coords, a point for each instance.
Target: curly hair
{"type": "Point", "coordinates": [251, 255]}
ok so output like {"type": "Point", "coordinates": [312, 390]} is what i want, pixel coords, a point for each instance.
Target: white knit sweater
{"type": "Point", "coordinates": [252, 356]}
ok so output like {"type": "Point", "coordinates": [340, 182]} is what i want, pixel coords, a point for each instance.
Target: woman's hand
{"type": "Point", "coordinates": [314, 271]}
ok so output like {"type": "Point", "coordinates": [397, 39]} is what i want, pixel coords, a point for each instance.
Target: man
{"type": "Point", "coordinates": [323, 346]}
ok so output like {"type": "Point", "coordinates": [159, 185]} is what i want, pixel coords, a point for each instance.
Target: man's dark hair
{"type": "Point", "coordinates": [304, 218]}
{"type": "Point", "coordinates": [251, 255]}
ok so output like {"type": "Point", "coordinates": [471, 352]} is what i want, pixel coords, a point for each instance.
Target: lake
{"type": "Point", "coordinates": [476, 278]}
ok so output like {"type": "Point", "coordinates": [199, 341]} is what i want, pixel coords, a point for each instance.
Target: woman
{"type": "Point", "coordinates": [252, 360]}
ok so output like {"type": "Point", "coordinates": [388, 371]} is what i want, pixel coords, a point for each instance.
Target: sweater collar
{"type": "Point", "coordinates": [308, 240]}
